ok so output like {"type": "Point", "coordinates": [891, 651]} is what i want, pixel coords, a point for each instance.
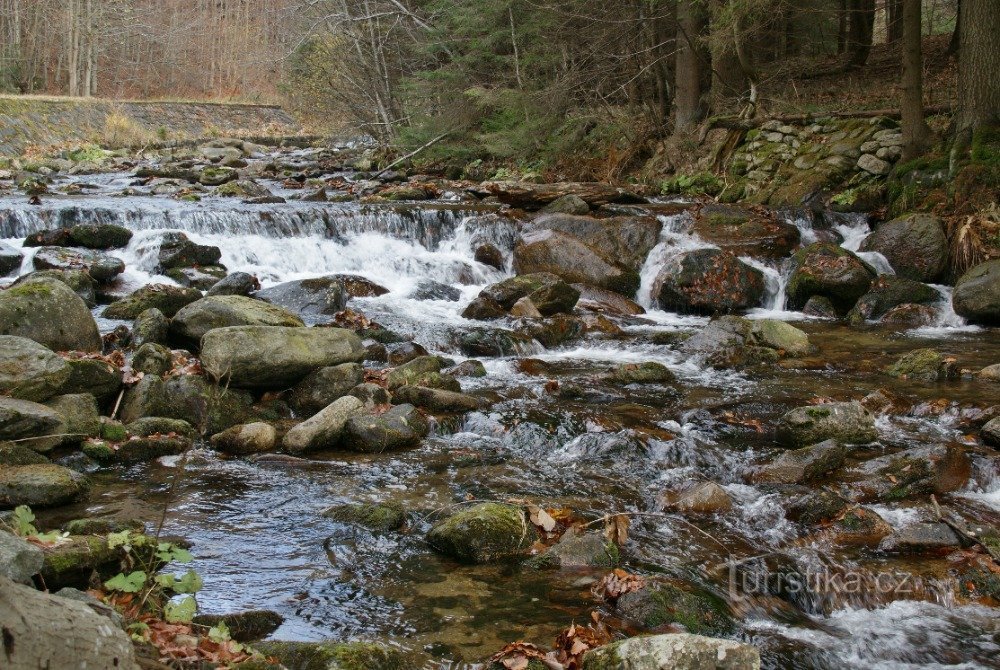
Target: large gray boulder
{"type": "Point", "coordinates": [273, 356]}
{"type": "Point", "coordinates": [673, 651]}
{"type": "Point", "coordinates": [100, 266]}
{"type": "Point", "coordinates": [825, 269]}
{"type": "Point", "coordinates": [323, 429]}
{"type": "Point", "coordinates": [19, 559]}
{"type": "Point", "coordinates": [321, 295]}
{"type": "Point", "coordinates": [845, 422]}
{"type": "Point", "coordinates": [30, 371]}
{"type": "Point", "coordinates": [915, 246]}
{"type": "Point", "coordinates": [10, 259]}
{"type": "Point", "coordinates": [50, 313]}
{"type": "Point", "coordinates": [627, 239]}
{"type": "Point", "coordinates": [42, 630]}
{"type": "Point", "coordinates": [191, 323]}
{"type": "Point", "coordinates": [573, 260]}
{"type": "Point", "coordinates": [324, 386]}
{"type": "Point", "coordinates": [210, 407]}
{"type": "Point", "coordinates": [24, 419]}
{"type": "Point", "coordinates": [168, 299]}
{"type": "Point", "coordinates": [401, 427]}
{"type": "Point", "coordinates": [709, 281]}
{"type": "Point", "coordinates": [40, 485]}
{"type": "Point", "coordinates": [977, 294]}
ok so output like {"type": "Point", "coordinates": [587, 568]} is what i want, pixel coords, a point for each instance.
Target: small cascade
{"type": "Point", "coordinates": [675, 238]}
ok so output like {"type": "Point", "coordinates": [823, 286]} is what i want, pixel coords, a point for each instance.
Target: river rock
{"type": "Point", "coordinates": [924, 365]}
{"type": "Point", "coordinates": [371, 395]}
{"type": "Point", "coordinates": [322, 295]}
{"type": "Point", "coordinates": [673, 651]}
{"type": "Point", "coordinates": [436, 400]}
{"type": "Point", "coordinates": [29, 371]}
{"type": "Point", "coordinates": [248, 626]}
{"type": "Point", "coordinates": [237, 283]}
{"type": "Point", "coordinates": [188, 397]}
{"type": "Point", "coordinates": [17, 453]}
{"type": "Point", "coordinates": [79, 281]}
{"type": "Point", "coordinates": [428, 289]}
{"type": "Point", "coordinates": [909, 315]}
{"type": "Point", "coordinates": [745, 232]}
{"type": "Point", "coordinates": [153, 359]}
{"type": "Point", "coordinates": [859, 526]}
{"type": "Point", "coordinates": [21, 419]}
{"type": "Point", "coordinates": [550, 294]}
{"type": "Point", "coordinates": [201, 278]}
{"type": "Point", "coordinates": [579, 549]}
{"type": "Point", "coordinates": [828, 270]}
{"type": "Point", "coordinates": [19, 559]}
{"type": "Point", "coordinates": [779, 336]}
{"type": "Point", "coordinates": [375, 516]}
{"type": "Point", "coordinates": [483, 533]}
{"type": "Point", "coordinates": [604, 301]}
{"type": "Point", "coordinates": [991, 373]}
{"type": "Point", "coordinates": [990, 432]}
{"type": "Point", "coordinates": [150, 327]}
{"type": "Point", "coordinates": [137, 449]}
{"type": "Point", "coordinates": [472, 368]}
{"type": "Point", "coordinates": [95, 376]}
{"type": "Point", "coordinates": [324, 429]}
{"type": "Point", "coordinates": [732, 341]}
{"type": "Point", "coordinates": [414, 371]}
{"type": "Point", "coordinates": [401, 427]}
{"type": "Point", "coordinates": [977, 294]}
{"type": "Point", "coordinates": [249, 438]}
{"type": "Point", "coordinates": [703, 498]}
{"type": "Point", "coordinates": [40, 485]}
{"type": "Point", "coordinates": [650, 372]}
{"type": "Point", "coordinates": [483, 308]}
{"type": "Point", "coordinates": [334, 655]}
{"type": "Point", "coordinates": [399, 353]}
{"type": "Point", "coordinates": [916, 472]}
{"type": "Point", "coordinates": [80, 415]}
{"type": "Point", "coordinates": [820, 306]}
{"type": "Point", "coordinates": [148, 426]}
{"type": "Point", "coordinates": [192, 321]}
{"type": "Point", "coordinates": [921, 538]}
{"type": "Point", "coordinates": [31, 619]}
{"type": "Point", "coordinates": [50, 313]}
{"type": "Point", "coordinates": [322, 387]}
{"type": "Point", "coordinates": [886, 292]}
{"type": "Point", "coordinates": [88, 235]}
{"type": "Point", "coordinates": [625, 239]}
{"type": "Point", "coordinates": [915, 246]}
{"type": "Point", "coordinates": [708, 281]}
{"type": "Point", "coordinates": [102, 267]}
{"type": "Point", "coordinates": [496, 342]}
{"type": "Point", "coordinates": [567, 204]}
{"type": "Point", "coordinates": [178, 251]}
{"type": "Point", "coordinates": [802, 465]}
{"type": "Point", "coordinates": [571, 259]}
{"type": "Point", "coordinates": [168, 299]}
{"type": "Point", "coordinates": [846, 422]}
{"type": "Point", "coordinates": [10, 259]}
{"type": "Point", "coordinates": [662, 602]}
{"type": "Point", "coordinates": [273, 356]}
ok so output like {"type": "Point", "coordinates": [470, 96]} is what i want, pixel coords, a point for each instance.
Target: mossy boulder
{"type": "Point", "coordinates": [437, 400]}
{"type": "Point", "coordinates": [99, 236]}
{"type": "Point", "coordinates": [40, 485]}
{"type": "Point", "coordinates": [845, 422]}
{"type": "Point", "coordinates": [322, 387]}
{"type": "Point", "coordinates": [136, 449]}
{"type": "Point", "coordinates": [216, 176]}
{"type": "Point", "coordinates": [90, 375]}
{"type": "Point", "coordinates": [71, 563]}
{"type": "Point", "coordinates": [159, 425]}
{"type": "Point", "coordinates": [495, 342]}
{"type": "Point", "coordinates": [977, 294]}
{"type": "Point", "coordinates": [31, 423]}
{"type": "Point", "coordinates": [709, 281]}
{"type": "Point", "coordinates": [79, 281]}
{"type": "Point", "coordinates": [152, 359]}
{"type": "Point", "coordinates": [859, 526]}
{"type": "Point", "coordinates": [915, 246]}
{"type": "Point", "coordinates": [334, 655]}
{"type": "Point", "coordinates": [274, 356]}
{"type": "Point", "coordinates": [248, 626]}
{"type": "Point", "coordinates": [375, 516]}
{"type": "Point", "coordinates": [30, 371]}
{"type": "Point", "coordinates": [780, 336]}
{"type": "Point", "coordinates": [179, 251]}
{"type": "Point", "coordinates": [827, 270]}
{"type": "Point", "coordinates": [150, 326]}
{"type": "Point", "coordinates": [484, 533]}
{"type": "Point", "coordinates": [167, 299]}
{"type": "Point", "coordinates": [17, 453]}
{"type": "Point", "coordinates": [81, 417]}
{"type": "Point", "coordinates": [325, 429]}
{"type": "Point", "coordinates": [649, 372]}
{"type": "Point", "coordinates": [664, 602]}
{"type": "Point", "coordinates": [192, 321]}
{"type": "Point", "coordinates": [49, 312]}
{"type": "Point", "coordinates": [924, 365]}
{"type": "Point", "coordinates": [209, 407]}
{"type": "Point", "coordinates": [745, 232]}
{"type": "Point", "coordinates": [802, 465]}
{"type": "Point", "coordinates": [100, 266]}
{"type": "Point", "coordinates": [201, 278]}
{"type": "Point", "coordinates": [413, 371]}
{"type": "Point", "coordinates": [888, 291]}
{"type": "Point", "coordinates": [572, 260]}
{"type": "Point", "coordinates": [401, 427]}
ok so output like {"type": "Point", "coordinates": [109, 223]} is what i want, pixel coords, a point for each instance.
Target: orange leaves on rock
{"type": "Point", "coordinates": [184, 365]}
{"type": "Point", "coordinates": [352, 320]}
{"type": "Point", "coordinates": [517, 656]}
{"type": "Point", "coordinates": [737, 420]}
{"type": "Point", "coordinates": [575, 641]}
{"type": "Point", "coordinates": [617, 583]}
{"type": "Point", "coordinates": [180, 642]}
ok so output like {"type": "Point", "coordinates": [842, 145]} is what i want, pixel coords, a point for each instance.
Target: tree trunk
{"type": "Point", "coordinates": [894, 20]}
{"type": "Point", "coordinates": [842, 27]}
{"type": "Point", "coordinates": [979, 65]}
{"type": "Point", "coordinates": [953, 44]}
{"type": "Point", "coordinates": [916, 134]}
{"type": "Point", "coordinates": [861, 26]}
{"type": "Point", "coordinates": [688, 67]}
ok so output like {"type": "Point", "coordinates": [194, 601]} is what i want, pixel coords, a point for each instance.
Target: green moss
{"type": "Point", "coordinates": [333, 656]}
{"type": "Point", "coordinates": [699, 183]}
{"type": "Point", "coordinates": [377, 516]}
{"type": "Point", "coordinates": [484, 533]}
{"type": "Point", "coordinates": [665, 603]}
{"type": "Point", "coordinates": [99, 450]}
{"type": "Point", "coordinates": [986, 145]}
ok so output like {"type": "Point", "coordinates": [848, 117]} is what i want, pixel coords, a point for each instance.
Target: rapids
{"type": "Point", "coordinates": [260, 541]}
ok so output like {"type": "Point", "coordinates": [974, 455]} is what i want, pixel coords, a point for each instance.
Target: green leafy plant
{"type": "Point", "coordinates": [23, 525]}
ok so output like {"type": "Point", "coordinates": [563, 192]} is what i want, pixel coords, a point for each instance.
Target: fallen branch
{"type": "Point", "coordinates": [412, 153]}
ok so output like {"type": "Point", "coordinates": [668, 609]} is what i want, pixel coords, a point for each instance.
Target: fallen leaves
{"type": "Point", "coordinates": [616, 528]}
{"type": "Point", "coordinates": [540, 518]}
{"type": "Point", "coordinates": [517, 656]}
{"type": "Point", "coordinates": [617, 583]}
{"type": "Point", "coordinates": [575, 641]}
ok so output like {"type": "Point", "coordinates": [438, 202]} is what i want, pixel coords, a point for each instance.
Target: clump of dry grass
{"type": "Point", "coordinates": [121, 131]}
{"type": "Point", "coordinates": [973, 239]}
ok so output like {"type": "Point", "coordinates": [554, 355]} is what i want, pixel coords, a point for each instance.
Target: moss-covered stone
{"type": "Point", "coordinates": [649, 372]}
{"type": "Point", "coordinates": [484, 533]}
{"type": "Point", "coordinates": [167, 299]}
{"type": "Point", "coordinates": [334, 655]}
{"type": "Point", "coordinates": [828, 270]}
{"type": "Point", "coordinates": [40, 485]}
{"type": "Point", "coordinates": [376, 516]}
{"type": "Point", "coordinates": [924, 365]}
{"type": "Point", "coordinates": [664, 602]}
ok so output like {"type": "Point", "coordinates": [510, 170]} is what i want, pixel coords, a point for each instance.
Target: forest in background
{"type": "Point", "coordinates": [531, 84]}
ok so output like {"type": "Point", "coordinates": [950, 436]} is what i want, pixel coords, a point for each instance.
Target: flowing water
{"type": "Point", "coordinates": [261, 542]}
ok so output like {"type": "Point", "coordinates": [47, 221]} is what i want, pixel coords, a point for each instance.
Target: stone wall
{"type": "Point", "coordinates": [782, 164]}
{"type": "Point", "coordinates": [27, 120]}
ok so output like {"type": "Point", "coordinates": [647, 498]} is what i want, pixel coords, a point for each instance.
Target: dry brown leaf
{"type": "Point", "coordinates": [616, 528]}
{"type": "Point", "coordinates": [541, 518]}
